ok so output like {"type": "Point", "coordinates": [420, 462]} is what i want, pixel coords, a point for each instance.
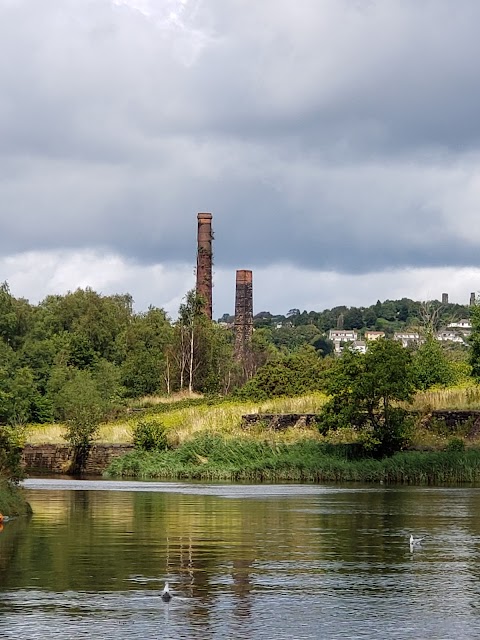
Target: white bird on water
{"type": "Point", "coordinates": [166, 595]}
{"type": "Point", "coordinates": [414, 542]}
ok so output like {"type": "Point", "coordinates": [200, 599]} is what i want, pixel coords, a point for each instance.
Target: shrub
{"type": "Point", "coordinates": [149, 435]}
{"type": "Point", "coordinates": [455, 444]}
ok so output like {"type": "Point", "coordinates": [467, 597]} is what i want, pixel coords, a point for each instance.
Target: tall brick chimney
{"type": "Point", "coordinates": [444, 298]}
{"type": "Point", "coordinates": [204, 261]}
{"type": "Point", "coordinates": [243, 317]}
{"type": "Point", "coordinates": [472, 298]}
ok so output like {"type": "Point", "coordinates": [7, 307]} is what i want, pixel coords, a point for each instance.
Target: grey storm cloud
{"type": "Point", "coordinates": [326, 134]}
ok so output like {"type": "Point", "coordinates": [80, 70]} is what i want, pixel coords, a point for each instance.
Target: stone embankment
{"type": "Point", "coordinates": [52, 458]}
{"type": "Point", "coordinates": [452, 419]}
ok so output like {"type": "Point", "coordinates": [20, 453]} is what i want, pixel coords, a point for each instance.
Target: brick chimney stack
{"type": "Point", "coordinates": [204, 261]}
{"type": "Point", "coordinates": [243, 317]}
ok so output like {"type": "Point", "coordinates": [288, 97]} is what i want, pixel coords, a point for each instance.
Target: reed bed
{"type": "Point", "coordinates": [214, 457]}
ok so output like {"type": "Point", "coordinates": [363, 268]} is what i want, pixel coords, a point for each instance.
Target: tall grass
{"type": "Point", "coordinates": [214, 457]}
{"type": "Point", "coordinates": [186, 417]}
{"type": "Point", "coordinates": [466, 397]}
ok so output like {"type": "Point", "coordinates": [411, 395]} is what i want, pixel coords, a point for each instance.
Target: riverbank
{"type": "Point", "coordinates": [12, 500]}
{"type": "Point", "coordinates": [209, 440]}
{"type": "Point", "coordinates": [214, 458]}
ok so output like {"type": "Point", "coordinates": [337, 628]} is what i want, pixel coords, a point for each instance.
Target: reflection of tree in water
{"type": "Point", "coordinates": [11, 544]}
{"type": "Point", "coordinates": [242, 587]}
{"type": "Point", "coordinates": [80, 504]}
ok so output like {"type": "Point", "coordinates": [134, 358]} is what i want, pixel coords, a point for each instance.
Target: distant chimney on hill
{"type": "Point", "coordinates": [444, 298]}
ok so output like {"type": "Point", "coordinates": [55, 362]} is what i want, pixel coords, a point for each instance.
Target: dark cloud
{"type": "Point", "coordinates": [327, 135]}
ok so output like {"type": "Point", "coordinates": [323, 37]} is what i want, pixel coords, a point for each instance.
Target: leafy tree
{"type": "Point", "coordinates": [291, 375]}
{"type": "Point", "coordinates": [431, 366]}
{"type": "Point", "coordinates": [82, 408]}
{"type": "Point", "coordinates": [353, 319]}
{"type": "Point", "coordinates": [147, 353]}
{"type": "Point", "coordinates": [474, 355]}
{"type": "Point", "coordinates": [364, 389]}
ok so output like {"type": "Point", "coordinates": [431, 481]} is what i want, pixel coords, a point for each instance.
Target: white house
{"type": "Point", "coordinates": [340, 336]}
{"type": "Point", "coordinates": [450, 336]}
{"type": "Point", "coordinates": [374, 335]}
{"type": "Point", "coordinates": [407, 338]}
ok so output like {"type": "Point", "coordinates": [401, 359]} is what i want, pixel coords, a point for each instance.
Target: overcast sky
{"type": "Point", "coordinates": [336, 142]}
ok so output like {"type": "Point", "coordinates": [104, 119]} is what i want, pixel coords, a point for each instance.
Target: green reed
{"type": "Point", "coordinates": [214, 457]}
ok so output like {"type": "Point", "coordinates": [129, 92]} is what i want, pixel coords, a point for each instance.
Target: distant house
{"type": "Point", "coordinates": [374, 335]}
{"type": "Point", "coordinates": [340, 337]}
{"type": "Point", "coordinates": [450, 336]}
{"type": "Point", "coordinates": [461, 326]}
{"type": "Point", "coordinates": [407, 338]}
{"type": "Point", "coordinates": [360, 346]}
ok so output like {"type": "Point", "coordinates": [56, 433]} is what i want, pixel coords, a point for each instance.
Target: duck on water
{"type": "Point", "coordinates": [166, 595]}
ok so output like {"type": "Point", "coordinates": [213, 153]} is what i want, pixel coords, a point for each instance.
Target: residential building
{"type": "Point", "coordinates": [374, 335]}
{"type": "Point", "coordinates": [407, 338]}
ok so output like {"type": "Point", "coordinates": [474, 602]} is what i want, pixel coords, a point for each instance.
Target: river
{"type": "Point", "coordinates": [243, 562]}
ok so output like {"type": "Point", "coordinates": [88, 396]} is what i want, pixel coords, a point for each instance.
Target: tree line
{"type": "Point", "coordinates": [78, 358]}
{"type": "Point", "coordinates": [87, 345]}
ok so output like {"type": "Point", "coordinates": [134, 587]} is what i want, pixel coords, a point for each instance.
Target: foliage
{"type": "Point", "coordinates": [455, 444]}
{"type": "Point", "coordinates": [82, 408]}
{"type": "Point", "coordinates": [12, 499]}
{"type": "Point", "coordinates": [363, 390]}
{"type": "Point", "coordinates": [213, 457]}
{"type": "Point", "coordinates": [474, 354]}
{"type": "Point", "coordinates": [129, 354]}
{"type": "Point", "coordinates": [149, 435]}
{"type": "Point", "coordinates": [431, 366]}
{"type": "Point", "coordinates": [291, 375]}
{"type": "Point", "coordinates": [12, 440]}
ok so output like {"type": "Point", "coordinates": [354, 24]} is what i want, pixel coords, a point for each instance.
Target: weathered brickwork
{"type": "Point", "coordinates": [204, 261]}
{"type": "Point", "coordinates": [51, 458]}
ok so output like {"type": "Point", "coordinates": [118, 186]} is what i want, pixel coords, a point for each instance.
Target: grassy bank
{"type": "Point", "coordinates": [185, 418]}
{"type": "Point", "coordinates": [12, 500]}
{"type": "Point", "coordinates": [214, 457]}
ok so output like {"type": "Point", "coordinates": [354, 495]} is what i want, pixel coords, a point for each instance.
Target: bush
{"type": "Point", "coordinates": [455, 444]}
{"type": "Point", "coordinates": [149, 435]}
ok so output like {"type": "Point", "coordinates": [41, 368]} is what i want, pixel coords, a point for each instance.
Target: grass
{"type": "Point", "coordinates": [186, 416]}
{"type": "Point", "coordinates": [12, 500]}
{"type": "Point", "coordinates": [205, 441]}
{"type": "Point", "coordinates": [465, 397]}
{"type": "Point", "coordinates": [214, 457]}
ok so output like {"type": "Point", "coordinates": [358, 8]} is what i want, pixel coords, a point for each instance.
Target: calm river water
{"type": "Point", "coordinates": [244, 562]}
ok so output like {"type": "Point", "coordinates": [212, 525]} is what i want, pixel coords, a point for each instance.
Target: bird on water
{"type": "Point", "coordinates": [166, 595]}
{"type": "Point", "coordinates": [414, 542]}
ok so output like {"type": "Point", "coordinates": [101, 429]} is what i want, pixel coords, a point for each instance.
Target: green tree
{"type": "Point", "coordinates": [147, 354]}
{"type": "Point", "coordinates": [474, 340]}
{"type": "Point", "coordinates": [289, 375]}
{"type": "Point", "coordinates": [83, 408]}
{"type": "Point", "coordinates": [364, 389]}
{"type": "Point", "coordinates": [431, 366]}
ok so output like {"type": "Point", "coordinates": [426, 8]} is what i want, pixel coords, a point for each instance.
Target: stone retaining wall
{"type": "Point", "coordinates": [455, 419]}
{"type": "Point", "coordinates": [278, 421]}
{"type": "Point", "coordinates": [52, 458]}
